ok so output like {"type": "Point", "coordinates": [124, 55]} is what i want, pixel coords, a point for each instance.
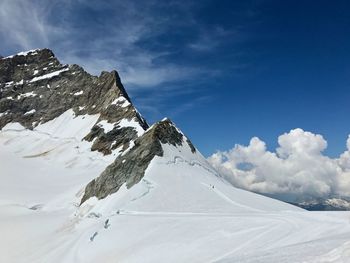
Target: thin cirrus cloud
{"type": "Point", "coordinates": [297, 171]}
{"type": "Point", "coordinates": [107, 35]}
{"type": "Point", "coordinates": [22, 24]}
{"type": "Point", "coordinates": [111, 37]}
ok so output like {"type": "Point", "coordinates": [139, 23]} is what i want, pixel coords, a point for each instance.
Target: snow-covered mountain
{"type": "Point", "coordinates": [326, 204]}
{"type": "Point", "coordinates": [85, 179]}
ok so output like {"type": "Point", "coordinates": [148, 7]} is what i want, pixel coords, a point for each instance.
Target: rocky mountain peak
{"type": "Point", "coordinates": [118, 83]}
{"type": "Point", "coordinates": [166, 132]}
{"type": "Point", "coordinates": [130, 167]}
{"type": "Point", "coordinates": [36, 88]}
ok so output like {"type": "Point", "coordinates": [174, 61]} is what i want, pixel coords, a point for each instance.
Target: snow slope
{"type": "Point", "coordinates": [181, 211]}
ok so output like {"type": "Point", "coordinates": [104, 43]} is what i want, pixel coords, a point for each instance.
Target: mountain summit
{"type": "Point", "coordinates": [131, 166]}
{"type": "Point", "coordinates": [36, 88]}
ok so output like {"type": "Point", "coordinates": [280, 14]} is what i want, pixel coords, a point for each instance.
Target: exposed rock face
{"type": "Point", "coordinates": [35, 88]}
{"type": "Point", "coordinates": [130, 167]}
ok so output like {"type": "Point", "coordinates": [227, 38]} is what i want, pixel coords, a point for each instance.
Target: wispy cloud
{"type": "Point", "coordinates": [101, 42]}
{"type": "Point", "coordinates": [210, 38]}
{"type": "Point", "coordinates": [22, 24]}
{"type": "Point", "coordinates": [130, 36]}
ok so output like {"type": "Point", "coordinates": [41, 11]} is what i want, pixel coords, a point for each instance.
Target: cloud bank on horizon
{"type": "Point", "coordinates": [296, 171]}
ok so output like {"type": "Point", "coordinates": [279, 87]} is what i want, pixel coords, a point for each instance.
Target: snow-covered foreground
{"type": "Point", "coordinates": [181, 211]}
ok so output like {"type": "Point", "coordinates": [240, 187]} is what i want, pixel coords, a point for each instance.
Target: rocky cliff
{"type": "Point", "coordinates": [36, 88]}
{"type": "Point", "coordinates": [130, 168]}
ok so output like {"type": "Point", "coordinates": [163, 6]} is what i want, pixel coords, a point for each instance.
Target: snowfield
{"type": "Point", "coordinates": [181, 211]}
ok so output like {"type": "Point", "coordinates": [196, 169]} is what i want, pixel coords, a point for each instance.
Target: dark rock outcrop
{"type": "Point", "coordinates": [36, 88]}
{"type": "Point", "coordinates": [130, 167]}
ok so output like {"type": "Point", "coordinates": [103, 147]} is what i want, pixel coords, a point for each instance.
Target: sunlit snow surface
{"type": "Point", "coordinates": [181, 211]}
{"type": "Point", "coordinates": [49, 75]}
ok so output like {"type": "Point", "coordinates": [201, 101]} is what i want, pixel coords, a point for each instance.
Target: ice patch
{"type": "Point", "coordinates": [124, 102]}
{"type": "Point", "coordinates": [49, 75]}
{"type": "Point", "coordinates": [132, 123]}
{"type": "Point", "coordinates": [30, 112]}
{"type": "Point", "coordinates": [20, 82]}
{"type": "Point", "coordinates": [7, 84]}
{"type": "Point", "coordinates": [25, 53]}
{"type": "Point", "coordinates": [106, 126]}
{"type": "Point", "coordinates": [28, 94]}
{"type": "Point", "coordinates": [78, 93]}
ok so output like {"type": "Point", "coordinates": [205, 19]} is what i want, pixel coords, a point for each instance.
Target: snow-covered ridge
{"type": "Point", "coordinates": [24, 53]}
{"type": "Point", "coordinates": [107, 126]}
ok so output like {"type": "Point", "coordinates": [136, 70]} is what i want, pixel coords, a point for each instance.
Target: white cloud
{"type": "Point", "coordinates": [297, 170]}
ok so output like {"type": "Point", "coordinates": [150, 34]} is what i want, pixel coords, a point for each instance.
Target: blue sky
{"type": "Point", "coordinates": [224, 71]}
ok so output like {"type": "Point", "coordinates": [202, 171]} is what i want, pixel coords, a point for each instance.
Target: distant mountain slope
{"type": "Point", "coordinates": [330, 204]}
